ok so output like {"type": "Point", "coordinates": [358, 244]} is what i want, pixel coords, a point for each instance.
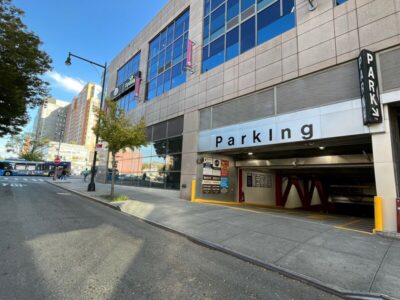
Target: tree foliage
{"type": "Point", "coordinates": [25, 146]}
{"type": "Point", "coordinates": [21, 65]}
{"type": "Point", "coordinates": [114, 128]}
{"type": "Point", "coordinates": [35, 156]}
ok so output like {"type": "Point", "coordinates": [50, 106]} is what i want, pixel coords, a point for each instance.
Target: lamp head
{"type": "Point", "coordinates": [68, 60]}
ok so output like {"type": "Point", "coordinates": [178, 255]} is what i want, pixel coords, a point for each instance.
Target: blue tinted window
{"type": "Point", "coordinates": [205, 57]}
{"type": "Point", "coordinates": [232, 9]}
{"type": "Point", "coordinates": [272, 26]}
{"type": "Point", "coordinates": [215, 54]}
{"type": "Point", "coordinates": [338, 2]}
{"type": "Point", "coordinates": [170, 34]}
{"type": "Point", "coordinates": [154, 47]}
{"type": "Point", "coordinates": [287, 6]}
{"type": "Point", "coordinates": [232, 43]}
{"type": "Point", "coordinates": [266, 17]}
{"type": "Point", "coordinates": [177, 54]}
{"type": "Point", "coordinates": [167, 80]}
{"type": "Point", "coordinates": [163, 39]}
{"type": "Point", "coordinates": [130, 68]}
{"type": "Point", "coordinates": [206, 30]}
{"type": "Point", "coordinates": [178, 76]}
{"type": "Point", "coordinates": [181, 25]}
{"type": "Point", "coordinates": [167, 55]}
{"type": "Point", "coordinates": [152, 90]}
{"type": "Point", "coordinates": [206, 7]}
{"type": "Point", "coordinates": [160, 84]}
{"type": "Point", "coordinates": [245, 4]}
{"type": "Point", "coordinates": [217, 22]}
{"type": "Point", "coordinates": [216, 3]}
{"type": "Point", "coordinates": [248, 37]}
{"type": "Point", "coordinates": [131, 101]}
{"type": "Point", "coordinates": [264, 3]}
{"type": "Point", "coordinates": [161, 62]}
{"type": "Point", "coordinates": [274, 17]}
{"type": "Point", "coordinates": [153, 67]}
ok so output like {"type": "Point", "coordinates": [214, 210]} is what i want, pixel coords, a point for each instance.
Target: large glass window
{"type": "Point", "coordinates": [232, 9]}
{"type": "Point", "coordinates": [167, 55]}
{"type": "Point", "coordinates": [232, 43]}
{"type": "Point", "coordinates": [127, 102]}
{"type": "Point", "coordinates": [217, 25]}
{"type": "Point", "coordinates": [338, 2]}
{"type": "Point", "coordinates": [130, 68]}
{"type": "Point", "coordinates": [248, 40]}
{"type": "Point", "coordinates": [240, 25]}
{"type": "Point", "coordinates": [156, 165]}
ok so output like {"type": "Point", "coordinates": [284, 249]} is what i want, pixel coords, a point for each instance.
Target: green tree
{"type": "Point", "coordinates": [25, 147]}
{"type": "Point", "coordinates": [114, 128]}
{"type": "Point", "coordinates": [35, 156]}
{"type": "Point", "coordinates": [21, 65]}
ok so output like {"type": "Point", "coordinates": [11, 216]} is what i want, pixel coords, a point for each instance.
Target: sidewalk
{"type": "Point", "coordinates": [313, 250]}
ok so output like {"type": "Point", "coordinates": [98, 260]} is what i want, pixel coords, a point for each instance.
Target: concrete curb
{"type": "Point", "coordinates": [86, 196]}
{"type": "Point", "coordinates": [285, 272]}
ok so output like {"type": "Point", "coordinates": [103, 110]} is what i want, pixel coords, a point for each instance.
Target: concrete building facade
{"type": "Point", "coordinates": [270, 102]}
{"type": "Point", "coordinates": [50, 120]}
{"type": "Point", "coordinates": [81, 117]}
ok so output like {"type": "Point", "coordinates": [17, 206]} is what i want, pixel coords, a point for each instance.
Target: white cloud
{"type": "Point", "coordinates": [68, 83]}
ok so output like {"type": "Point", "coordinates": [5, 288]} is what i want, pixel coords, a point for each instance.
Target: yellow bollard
{"type": "Point", "coordinates": [378, 213]}
{"type": "Point", "coordinates": [193, 190]}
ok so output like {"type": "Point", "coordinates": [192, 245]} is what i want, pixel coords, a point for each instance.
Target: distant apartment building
{"type": "Point", "coordinates": [81, 117]}
{"type": "Point", "coordinates": [50, 120]}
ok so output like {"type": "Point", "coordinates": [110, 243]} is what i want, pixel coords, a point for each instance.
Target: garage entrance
{"type": "Point", "coordinates": [341, 183]}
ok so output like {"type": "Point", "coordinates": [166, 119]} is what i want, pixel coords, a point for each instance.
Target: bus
{"type": "Point", "coordinates": [21, 167]}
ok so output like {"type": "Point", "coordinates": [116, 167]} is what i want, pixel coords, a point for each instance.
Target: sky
{"type": "Point", "coordinates": [94, 29]}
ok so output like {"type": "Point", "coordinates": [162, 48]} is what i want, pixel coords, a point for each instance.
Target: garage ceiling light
{"type": "Point", "coordinates": [250, 153]}
{"type": "Point", "coordinates": [321, 147]}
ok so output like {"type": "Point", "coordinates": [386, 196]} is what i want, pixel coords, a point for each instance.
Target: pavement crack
{"type": "Point", "coordinates": [380, 265]}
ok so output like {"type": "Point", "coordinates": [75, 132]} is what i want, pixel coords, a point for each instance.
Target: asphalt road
{"type": "Point", "coordinates": [56, 245]}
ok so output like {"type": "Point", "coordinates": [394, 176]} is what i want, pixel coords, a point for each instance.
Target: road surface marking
{"type": "Point", "coordinates": [25, 179]}
{"type": "Point", "coordinates": [63, 193]}
{"type": "Point", "coordinates": [40, 179]}
{"type": "Point", "coordinates": [34, 180]}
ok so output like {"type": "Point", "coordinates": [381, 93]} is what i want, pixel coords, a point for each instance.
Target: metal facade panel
{"type": "Point", "coordinates": [329, 86]}
{"type": "Point", "coordinates": [390, 69]}
{"type": "Point", "coordinates": [205, 118]}
{"type": "Point", "coordinates": [160, 131]}
{"type": "Point", "coordinates": [243, 109]}
{"type": "Point", "coordinates": [175, 127]}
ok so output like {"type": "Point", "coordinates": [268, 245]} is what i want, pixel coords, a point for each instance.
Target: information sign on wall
{"type": "Point", "coordinates": [211, 183]}
{"type": "Point", "coordinates": [259, 180]}
{"type": "Point", "coordinates": [369, 88]}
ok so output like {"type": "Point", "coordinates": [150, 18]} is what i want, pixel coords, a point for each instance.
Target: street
{"type": "Point", "coordinates": [56, 245]}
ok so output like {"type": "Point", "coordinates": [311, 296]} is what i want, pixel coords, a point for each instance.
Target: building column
{"type": "Point", "coordinates": [189, 153]}
{"type": "Point", "coordinates": [385, 173]}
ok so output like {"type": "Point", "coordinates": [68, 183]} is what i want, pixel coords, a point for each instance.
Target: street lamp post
{"type": "Point", "coordinates": [92, 185]}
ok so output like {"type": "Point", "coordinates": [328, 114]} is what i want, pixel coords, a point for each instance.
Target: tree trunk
{"type": "Point", "coordinates": [112, 175]}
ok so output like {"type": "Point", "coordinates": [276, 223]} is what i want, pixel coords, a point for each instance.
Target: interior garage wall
{"type": "Point", "coordinates": [258, 195]}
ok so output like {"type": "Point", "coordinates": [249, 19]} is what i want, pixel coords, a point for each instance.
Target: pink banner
{"type": "Point", "coordinates": [189, 62]}
{"type": "Point", "coordinates": [137, 86]}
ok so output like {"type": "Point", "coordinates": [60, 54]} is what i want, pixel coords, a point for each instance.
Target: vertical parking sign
{"type": "Point", "coordinates": [369, 88]}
